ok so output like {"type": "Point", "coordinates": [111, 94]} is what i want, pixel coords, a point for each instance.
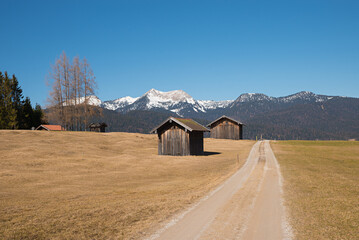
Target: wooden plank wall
{"type": "Point", "coordinates": [226, 130]}
{"type": "Point", "coordinates": [174, 141]}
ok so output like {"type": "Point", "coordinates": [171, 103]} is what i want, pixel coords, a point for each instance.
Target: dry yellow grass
{"type": "Point", "coordinates": [321, 187]}
{"type": "Point", "coordinates": [78, 185]}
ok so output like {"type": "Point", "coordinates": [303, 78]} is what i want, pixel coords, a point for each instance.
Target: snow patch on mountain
{"type": "Point", "coordinates": [91, 100]}
{"type": "Point", "coordinates": [249, 97]}
{"type": "Point", "coordinates": [210, 104]}
{"type": "Point", "coordinates": [119, 103]}
{"type": "Point", "coordinates": [304, 96]}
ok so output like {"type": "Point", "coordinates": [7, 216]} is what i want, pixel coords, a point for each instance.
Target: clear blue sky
{"type": "Point", "coordinates": [210, 49]}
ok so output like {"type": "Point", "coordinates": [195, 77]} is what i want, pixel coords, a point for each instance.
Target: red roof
{"type": "Point", "coordinates": [51, 127]}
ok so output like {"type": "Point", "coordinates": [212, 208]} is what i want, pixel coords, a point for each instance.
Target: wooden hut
{"type": "Point", "coordinates": [179, 136]}
{"type": "Point", "coordinates": [98, 127]}
{"type": "Point", "coordinates": [50, 127]}
{"type": "Point", "coordinates": [226, 128]}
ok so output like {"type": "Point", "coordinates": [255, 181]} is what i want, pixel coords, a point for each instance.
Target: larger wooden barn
{"type": "Point", "coordinates": [226, 128]}
{"type": "Point", "coordinates": [179, 136]}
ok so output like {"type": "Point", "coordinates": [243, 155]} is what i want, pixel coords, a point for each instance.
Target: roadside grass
{"type": "Point", "coordinates": [321, 187]}
{"type": "Point", "coordinates": [82, 185]}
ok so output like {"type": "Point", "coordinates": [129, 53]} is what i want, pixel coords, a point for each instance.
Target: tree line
{"type": "Point", "coordinates": [72, 85]}
{"type": "Point", "coordinates": [15, 112]}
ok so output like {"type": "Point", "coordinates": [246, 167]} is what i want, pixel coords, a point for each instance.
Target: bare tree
{"type": "Point", "coordinates": [56, 102]}
{"type": "Point", "coordinates": [77, 90]}
{"type": "Point", "coordinates": [72, 88]}
{"type": "Point", "coordinates": [89, 86]}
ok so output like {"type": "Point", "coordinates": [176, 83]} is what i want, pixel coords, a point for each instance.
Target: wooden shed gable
{"type": "Point", "coordinates": [226, 128]}
{"type": "Point", "coordinates": [177, 136]}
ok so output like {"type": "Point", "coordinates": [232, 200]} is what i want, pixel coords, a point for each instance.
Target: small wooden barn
{"type": "Point", "coordinates": [179, 136]}
{"type": "Point", "coordinates": [50, 127]}
{"type": "Point", "coordinates": [226, 128]}
{"type": "Point", "coordinates": [98, 127]}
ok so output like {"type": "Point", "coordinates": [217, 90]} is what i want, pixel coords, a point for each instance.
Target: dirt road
{"type": "Point", "coordinates": [248, 205]}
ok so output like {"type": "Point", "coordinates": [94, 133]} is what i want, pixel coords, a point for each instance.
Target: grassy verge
{"type": "Point", "coordinates": [321, 180]}
{"type": "Point", "coordinates": [78, 185]}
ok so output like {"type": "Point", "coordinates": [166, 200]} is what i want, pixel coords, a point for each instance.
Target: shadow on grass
{"type": "Point", "coordinates": [206, 153]}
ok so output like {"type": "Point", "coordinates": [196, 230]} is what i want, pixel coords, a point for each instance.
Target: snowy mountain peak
{"type": "Point", "coordinates": [91, 100]}
{"type": "Point", "coordinates": [152, 91]}
{"type": "Point", "coordinates": [210, 104]}
{"type": "Point", "coordinates": [304, 96]}
{"type": "Point", "coordinates": [248, 97]}
{"type": "Point", "coordinates": [172, 100]}
{"type": "Point", "coordinates": [176, 95]}
{"type": "Point", "coordinates": [119, 103]}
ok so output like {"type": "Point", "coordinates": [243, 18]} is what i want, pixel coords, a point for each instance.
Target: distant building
{"type": "Point", "coordinates": [179, 136]}
{"type": "Point", "coordinates": [98, 127]}
{"type": "Point", "coordinates": [226, 128]}
{"type": "Point", "coordinates": [50, 127]}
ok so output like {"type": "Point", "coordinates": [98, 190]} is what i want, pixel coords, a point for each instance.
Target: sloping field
{"type": "Point", "coordinates": [81, 185]}
{"type": "Point", "coordinates": [321, 187]}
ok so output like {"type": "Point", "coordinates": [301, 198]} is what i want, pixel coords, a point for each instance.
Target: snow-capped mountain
{"type": "Point", "coordinates": [210, 104]}
{"type": "Point", "coordinates": [176, 101]}
{"type": "Point", "coordinates": [118, 103]}
{"type": "Point", "coordinates": [167, 100]}
{"type": "Point", "coordinates": [183, 104]}
{"type": "Point", "coordinates": [91, 100]}
{"type": "Point", "coordinates": [303, 96]}
{"type": "Point", "coordinates": [253, 97]}
{"type": "Point", "coordinates": [250, 106]}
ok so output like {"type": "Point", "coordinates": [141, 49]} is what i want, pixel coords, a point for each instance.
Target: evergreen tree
{"type": "Point", "coordinates": [28, 114]}
{"type": "Point", "coordinates": [38, 116]}
{"type": "Point", "coordinates": [17, 100]}
{"type": "Point", "coordinates": [9, 113]}
{"type": "Point", "coordinates": [14, 112]}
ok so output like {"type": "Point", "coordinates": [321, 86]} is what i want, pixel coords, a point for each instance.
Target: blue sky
{"type": "Point", "coordinates": [213, 50]}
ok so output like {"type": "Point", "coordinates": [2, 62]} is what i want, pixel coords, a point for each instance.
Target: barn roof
{"type": "Point", "coordinates": [51, 127]}
{"type": "Point", "coordinates": [187, 123]}
{"type": "Point", "coordinates": [225, 117]}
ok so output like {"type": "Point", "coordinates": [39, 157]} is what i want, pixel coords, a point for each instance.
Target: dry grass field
{"type": "Point", "coordinates": [321, 187]}
{"type": "Point", "coordinates": [81, 185]}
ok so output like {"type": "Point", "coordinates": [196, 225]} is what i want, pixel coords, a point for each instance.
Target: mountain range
{"type": "Point", "coordinates": [176, 101]}
{"type": "Point", "coordinates": [303, 115]}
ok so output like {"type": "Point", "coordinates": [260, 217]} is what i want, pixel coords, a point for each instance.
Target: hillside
{"type": "Point", "coordinates": [86, 185]}
{"type": "Point", "coordinates": [337, 118]}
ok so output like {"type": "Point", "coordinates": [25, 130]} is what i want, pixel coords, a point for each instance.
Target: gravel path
{"type": "Point", "coordinates": [248, 205]}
